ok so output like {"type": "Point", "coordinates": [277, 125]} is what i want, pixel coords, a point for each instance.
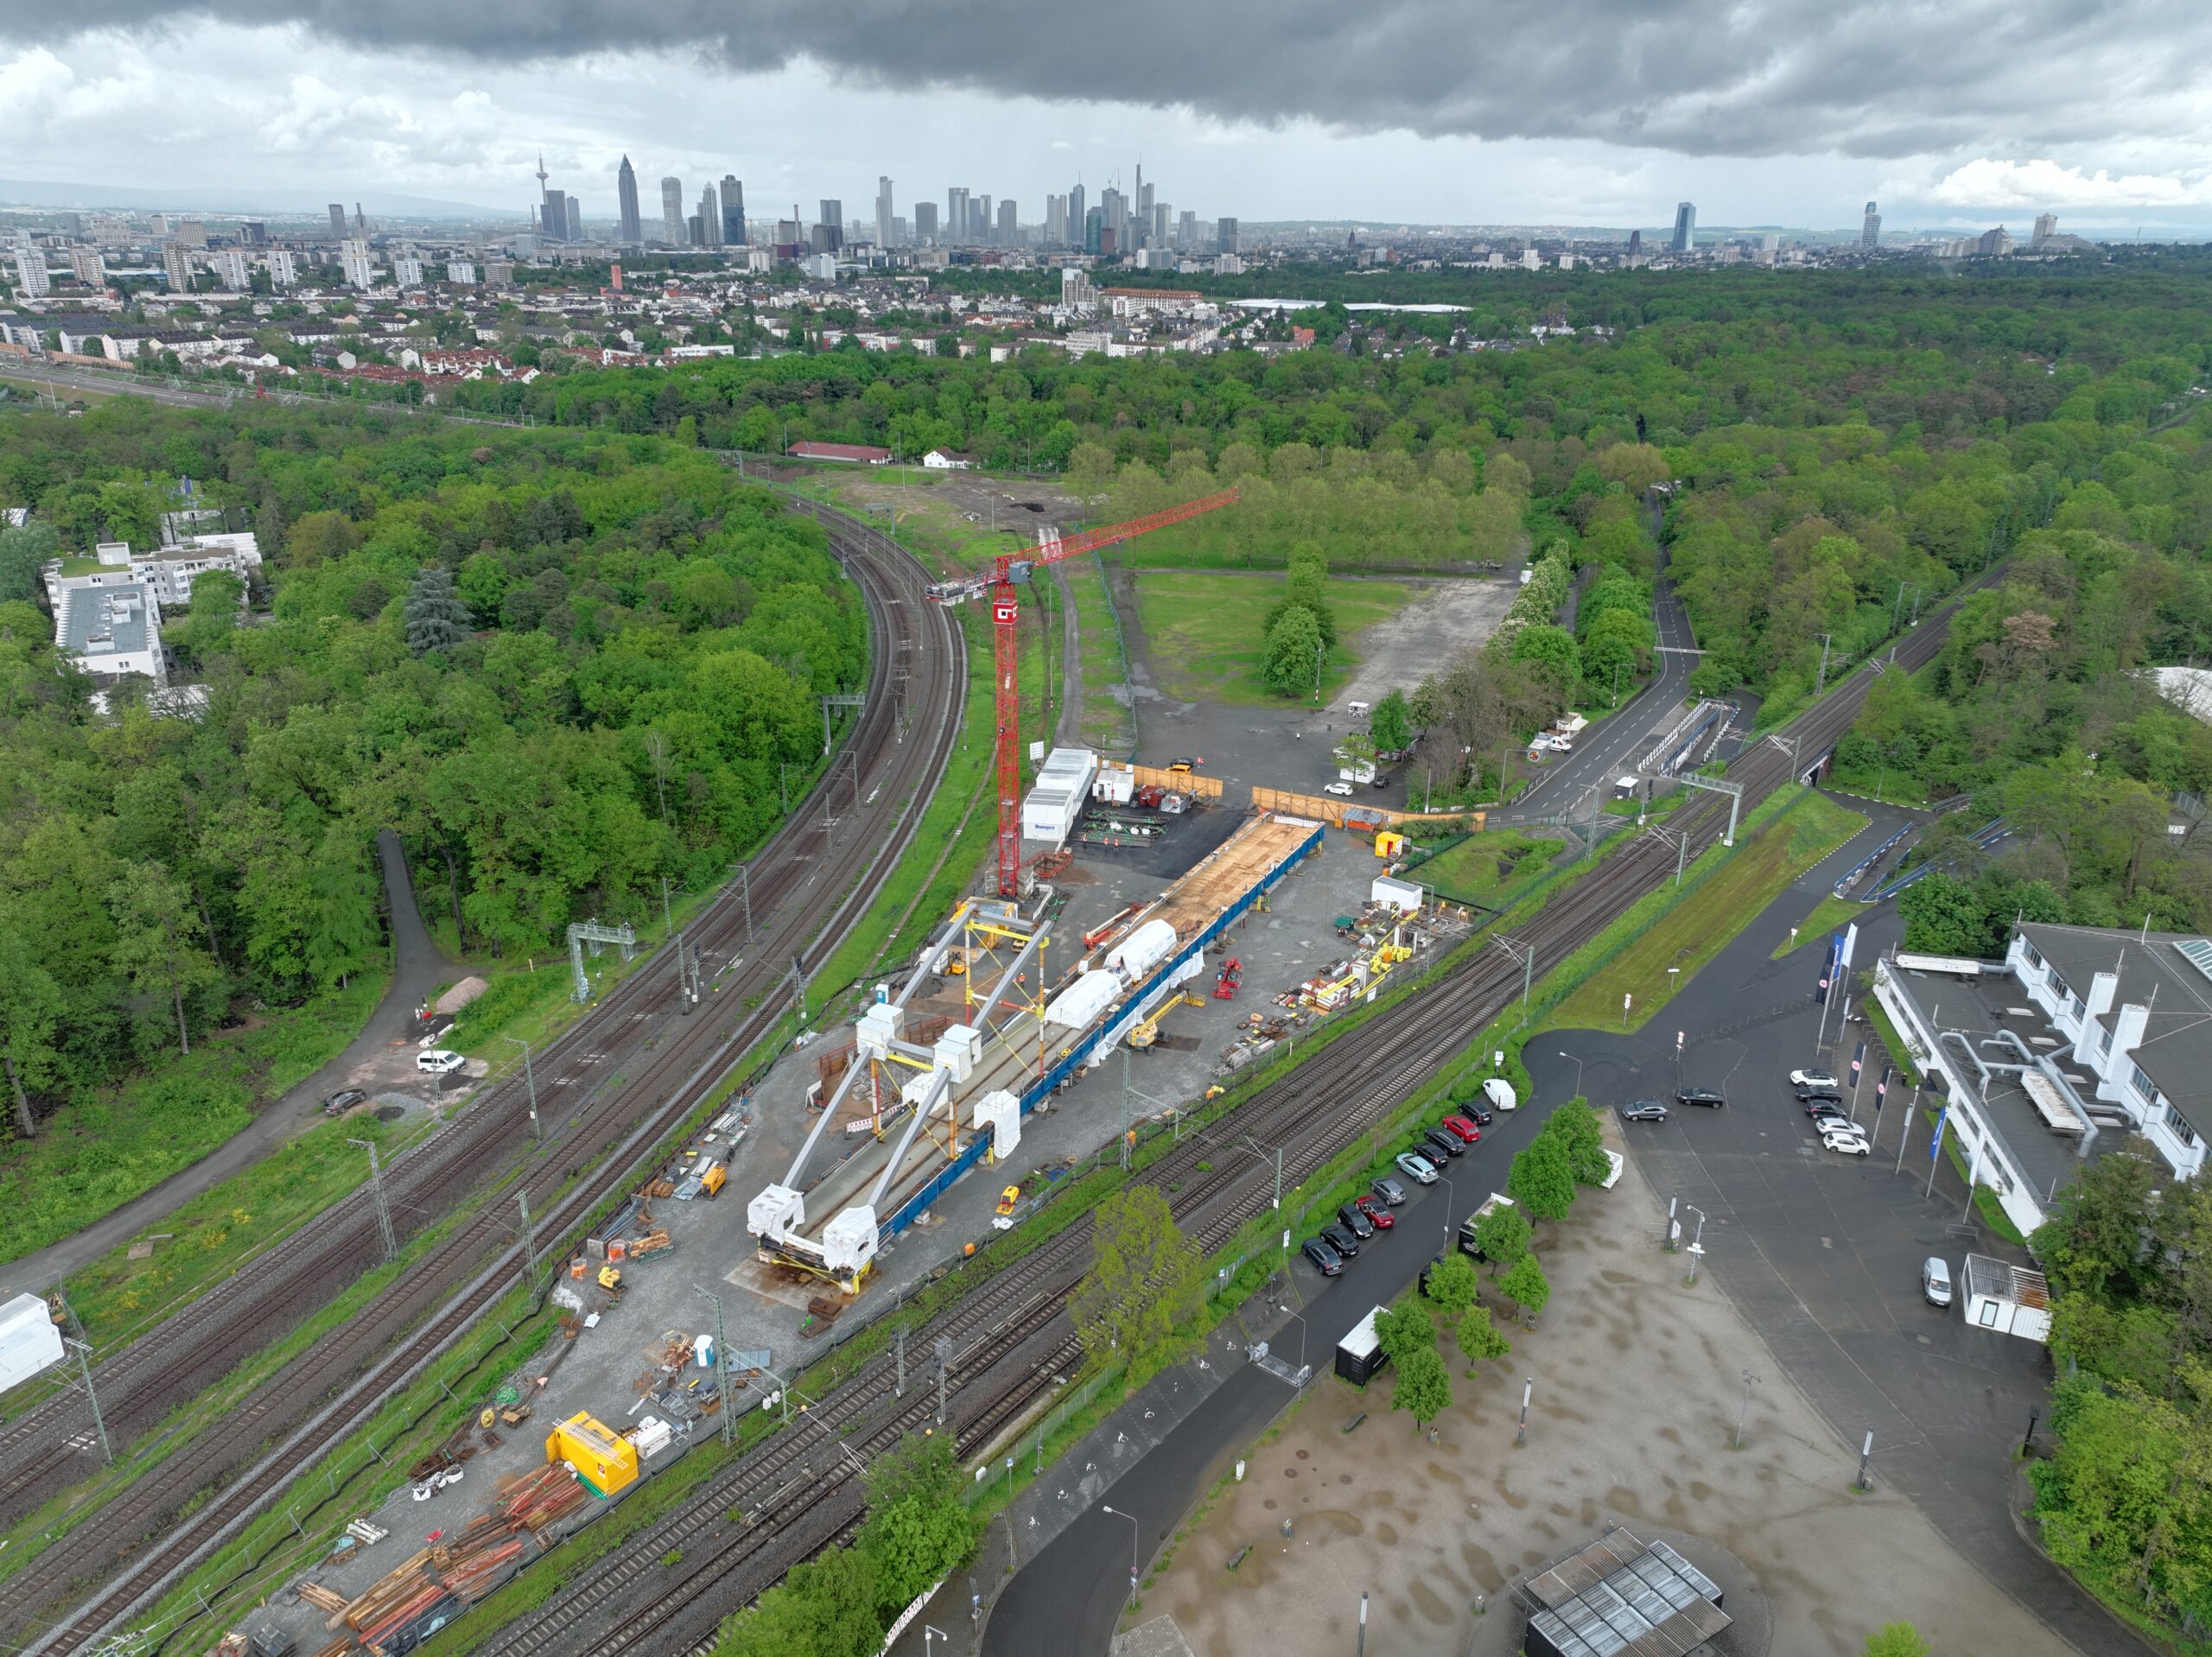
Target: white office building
{"type": "Point", "coordinates": [30, 273]}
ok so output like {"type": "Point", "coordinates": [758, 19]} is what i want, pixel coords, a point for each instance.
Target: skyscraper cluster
{"type": "Point", "coordinates": [717, 219]}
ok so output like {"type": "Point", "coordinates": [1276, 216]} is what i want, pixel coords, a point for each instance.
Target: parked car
{"type": "Point", "coordinates": [343, 1100]}
{"type": "Point", "coordinates": [1325, 1260]}
{"type": "Point", "coordinates": [1712, 1097]}
{"type": "Point", "coordinates": [1812, 1079]}
{"type": "Point", "coordinates": [1850, 1144]}
{"type": "Point", "coordinates": [1389, 1190]}
{"type": "Point", "coordinates": [1342, 790]}
{"type": "Point", "coordinates": [1826, 1112]}
{"type": "Point", "coordinates": [439, 1061]}
{"type": "Point", "coordinates": [1416, 1167]}
{"type": "Point", "coordinates": [1475, 1114]}
{"type": "Point", "coordinates": [1935, 1281]}
{"type": "Point", "coordinates": [1341, 1240]}
{"type": "Point", "coordinates": [1459, 1127]}
{"type": "Point", "coordinates": [1446, 1145]}
{"type": "Point", "coordinates": [1353, 1219]}
{"type": "Point", "coordinates": [1824, 1090]}
{"type": "Point", "coordinates": [1377, 1211]}
{"type": "Point", "coordinates": [1644, 1110]}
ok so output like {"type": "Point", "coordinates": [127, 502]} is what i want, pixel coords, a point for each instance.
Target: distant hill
{"type": "Point", "coordinates": [28, 193]}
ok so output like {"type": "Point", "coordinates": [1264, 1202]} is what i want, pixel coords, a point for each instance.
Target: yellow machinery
{"type": "Point", "coordinates": [1010, 1198]}
{"type": "Point", "coordinates": [604, 1460]}
{"type": "Point", "coordinates": [610, 1278]}
{"type": "Point", "coordinates": [1389, 843]}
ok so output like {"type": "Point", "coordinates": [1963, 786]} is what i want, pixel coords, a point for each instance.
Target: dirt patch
{"type": "Point", "coordinates": [1398, 651]}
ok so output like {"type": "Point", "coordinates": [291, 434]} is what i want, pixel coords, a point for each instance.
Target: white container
{"type": "Point", "coordinates": [1138, 954]}
{"type": "Point", "coordinates": [1078, 1005]}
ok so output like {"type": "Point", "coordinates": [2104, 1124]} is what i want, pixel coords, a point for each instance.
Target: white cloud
{"type": "Point", "coordinates": [2044, 184]}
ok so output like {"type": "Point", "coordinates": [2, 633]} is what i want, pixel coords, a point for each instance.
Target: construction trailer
{"type": "Point", "coordinates": [1055, 801]}
{"type": "Point", "coordinates": [1360, 1354]}
{"type": "Point", "coordinates": [916, 1118]}
{"type": "Point", "coordinates": [2007, 1298]}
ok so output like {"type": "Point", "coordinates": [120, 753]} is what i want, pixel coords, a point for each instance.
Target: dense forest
{"type": "Point", "coordinates": [563, 665]}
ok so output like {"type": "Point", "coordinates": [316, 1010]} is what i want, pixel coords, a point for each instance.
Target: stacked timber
{"type": "Point", "coordinates": [543, 1497]}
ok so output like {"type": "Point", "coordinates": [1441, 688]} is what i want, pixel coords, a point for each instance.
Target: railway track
{"type": "Point", "coordinates": [634, 1068]}
{"type": "Point", "coordinates": [1012, 1343]}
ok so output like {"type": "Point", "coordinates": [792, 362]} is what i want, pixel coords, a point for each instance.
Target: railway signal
{"type": "Point", "coordinates": [1007, 569]}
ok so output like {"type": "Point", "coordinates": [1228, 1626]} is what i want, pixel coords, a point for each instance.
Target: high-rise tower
{"type": "Point", "coordinates": [884, 210]}
{"type": "Point", "coordinates": [1870, 231]}
{"type": "Point", "coordinates": [1685, 226]}
{"type": "Point", "coordinates": [733, 211]}
{"type": "Point", "coordinates": [672, 229]}
{"type": "Point", "coordinates": [629, 229]}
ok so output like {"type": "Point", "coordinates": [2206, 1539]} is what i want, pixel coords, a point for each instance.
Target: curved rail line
{"type": "Point", "coordinates": [636, 1069]}
{"type": "Point", "coordinates": [797, 1491]}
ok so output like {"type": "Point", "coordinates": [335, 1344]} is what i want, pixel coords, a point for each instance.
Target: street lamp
{"type": "Point", "coordinates": [1134, 1535]}
{"type": "Point", "coordinates": [529, 1081]}
{"type": "Point", "coordinates": [1450, 1205]}
{"type": "Point", "coordinates": [1577, 1072]}
{"type": "Point", "coordinates": [1301, 1337]}
{"type": "Point", "coordinates": [931, 1636]}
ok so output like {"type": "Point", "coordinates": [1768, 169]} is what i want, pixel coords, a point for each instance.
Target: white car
{"type": "Point", "coordinates": [1342, 790]}
{"type": "Point", "coordinates": [1416, 1168]}
{"type": "Point", "coordinates": [439, 1061]}
{"type": "Point", "coordinates": [1851, 1145]}
{"type": "Point", "coordinates": [1812, 1079]}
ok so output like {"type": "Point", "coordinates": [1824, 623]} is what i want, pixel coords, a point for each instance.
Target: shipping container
{"type": "Point", "coordinates": [1359, 1355]}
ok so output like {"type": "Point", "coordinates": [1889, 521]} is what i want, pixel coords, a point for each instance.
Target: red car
{"type": "Point", "coordinates": [1462, 1128]}
{"type": "Point", "coordinates": [1377, 1211]}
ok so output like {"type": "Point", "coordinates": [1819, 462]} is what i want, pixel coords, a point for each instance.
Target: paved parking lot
{"type": "Point", "coordinates": [1822, 1253]}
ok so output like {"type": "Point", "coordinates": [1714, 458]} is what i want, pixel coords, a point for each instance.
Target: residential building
{"type": "Point", "coordinates": [672, 231]}
{"type": "Point", "coordinates": [926, 221]}
{"type": "Point", "coordinates": [1870, 230]}
{"type": "Point", "coordinates": [353, 256]}
{"type": "Point", "coordinates": [629, 229]}
{"type": "Point", "coordinates": [1995, 244]}
{"type": "Point", "coordinates": [1530, 259]}
{"type": "Point", "coordinates": [461, 273]}
{"type": "Point", "coordinates": [112, 630]}
{"type": "Point", "coordinates": [191, 232]}
{"type": "Point", "coordinates": [733, 211]}
{"type": "Point", "coordinates": [2046, 226]}
{"type": "Point", "coordinates": [232, 268]}
{"type": "Point", "coordinates": [886, 235]}
{"type": "Point", "coordinates": [338, 221]}
{"type": "Point", "coordinates": [165, 575]}
{"type": "Point", "coordinates": [499, 273]}
{"type": "Point", "coordinates": [30, 273]}
{"type": "Point", "coordinates": [820, 266]}
{"type": "Point", "coordinates": [1685, 227]}
{"type": "Point", "coordinates": [283, 272]}
{"type": "Point", "coordinates": [710, 218]}
{"type": "Point", "coordinates": [89, 266]}
{"type": "Point", "coordinates": [407, 272]}
{"type": "Point", "coordinates": [945, 460]}
{"type": "Point", "coordinates": [1224, 236]}
{"type": "Point", "coordinates": [176, 267]}
{"type": "Point", "coordinates": [2079, 1036]}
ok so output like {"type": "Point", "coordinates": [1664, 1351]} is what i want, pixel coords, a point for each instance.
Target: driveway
{"type": "Point", "coordinates": [417, 967]}
{"type": "Point", "coordinates": [1821, 1252]}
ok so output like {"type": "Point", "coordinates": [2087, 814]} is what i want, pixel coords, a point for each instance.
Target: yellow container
{"type": "Point", "coordinates": [604, 1460]}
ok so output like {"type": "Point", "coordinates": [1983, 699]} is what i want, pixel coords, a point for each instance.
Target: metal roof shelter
{"type": "Point", "coordinates": [1619, 1595]}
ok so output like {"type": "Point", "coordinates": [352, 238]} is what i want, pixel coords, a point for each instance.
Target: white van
{"type": "Point", "coordinates": [439, 1061]}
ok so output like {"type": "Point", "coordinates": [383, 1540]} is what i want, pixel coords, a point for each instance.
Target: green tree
{"type": "Point", "coordinates": [1526, 1287]}
{"type": "Point", "coordinates": [2095, 1243]}
{"type": "Point", "coordinates": [1942, 916]}
{"type": "Point", "coordinates": [1503, 1237]}
{"type": "Point", "coordinates": [824, 1607]}
{"type": "Point", "coordinates": [1423, 1387]}
{"type": "Point", "coordinates": [1391, 724]}
{"type": "Point", "coordinates": [1145, 1284]}
{"type": "Point", "coordinates": [1896, 1640]}
{"type": "Point", "coordinates": [216, 597]}
{"type": "Point", "coordinates": [1540, 1179]}
{"type": "Point", "coordinates": [1576, 1126]}
{"type": "Point", "coordinates": [1551, 654]}
{"type": "Point", "coordinates": [918, 1526]}
{"type": "Point", "coordinates": [1402, 1330]}
{"type": "Point", "coordinates": [1481, 1340]}
{"type": "Point", "coordinates": [158, 934]}
{"type": "Point", "coordinates": [1290, 660]}
{"type": "Point", "coordinates": [1453, 1284]}
{"type": "Point", "coordinates": [23, 553]}
{"type": "Point", "coordinates": [32, 1006]}
{"type": "Point", "coordinates": [318, 539]}
{"type": "Point", "coordinates": [436, 616]}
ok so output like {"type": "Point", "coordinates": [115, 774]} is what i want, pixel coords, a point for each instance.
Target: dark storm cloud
{"type": "Point", "coordinates": [1699, 77]}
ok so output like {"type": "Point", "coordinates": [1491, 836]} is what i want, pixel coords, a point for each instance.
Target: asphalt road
{"type": "Point", "coordinates": [416, 967]}
{"type": "Point", "coordinates": [1822, 1253]}
{"type": "Point", "coordinates": [1607, 749]}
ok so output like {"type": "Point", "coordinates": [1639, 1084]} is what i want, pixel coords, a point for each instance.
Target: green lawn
{"type": "Point", "coordinates": [1480, 866]}
{"type": "Point", "coordinates": [1699, 928]}
{"type": "Point", "coordinates": [1105, 721]}
{"type": "Point", "coordinates": [1831, 914]}
{"type": "Point", "coordinates": [1202, 631]}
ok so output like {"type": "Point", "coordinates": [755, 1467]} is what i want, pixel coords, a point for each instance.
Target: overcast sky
{"type": "Point", "coordinates": [1465, 111]}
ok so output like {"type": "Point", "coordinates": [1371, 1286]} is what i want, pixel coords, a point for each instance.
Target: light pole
{"type": "Point", "coordinates": [1134, 1538]}
{"type": "Point", "coordinates": [1301, 1338]}
{"type": "Point", "coordinates": [1697, 1244]}
{"type": "Point", "coordinates": [1748, 1381]}
{"type": "Point", "coordinates": [1320, 650]}
{"type": "Point", "coordinates": [1450, 1206]}
{"type": "Point", "coordinates": [1577, 1072]}
{"type": "Point", "coordinates": [725, 1409]}
{"type": "Point", "coordinates": [931, 1636]}
{"type": "Point", "coordinates": [529, 1081]}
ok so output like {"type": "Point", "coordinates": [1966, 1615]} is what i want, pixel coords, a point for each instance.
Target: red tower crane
{"type": "Point", "coordinates": [1007, 569]}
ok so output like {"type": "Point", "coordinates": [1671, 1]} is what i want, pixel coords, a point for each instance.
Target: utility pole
{"type": "Point", "coordinates": [944, 1358]}
{"type": "Point", "coordinates": [1744, 1414]}
{"type": "Point", "coordinates": [898, 1348]}
{"type": "Point", "coordinates": [1820, 683]}
{"type": "Point", "coordinates": [376, 1189]}
{"type": "Point", "coordinates": [798, 979]}
{"type": "Point", "coordinates": [1126, 1107]}
{"type": "Point", "coordinates": [725, 1409]}
{"type": "Point", "coordinates": [529, 1081]}
{"type": "Point", "coordinates": [99, 1423]}
{"type": "Point", "coordinates": [529, 1241]}
{"type": "Point", "coordinates": [667, 915]}
{"type": "Point", "coordinates": [745, 890]}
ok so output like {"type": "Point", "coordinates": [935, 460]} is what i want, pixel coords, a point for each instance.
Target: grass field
{"type": "Point", "coordinates": [1699, 928]}
{"type": "Point", "coordinates": [1106, 722]}
{"type": "Point", "coordinates": [1829, 915]}
{"type": "Point", "coordinates": [1470, 870]}
{"type": "Point", "coordinates": [1202, 631]}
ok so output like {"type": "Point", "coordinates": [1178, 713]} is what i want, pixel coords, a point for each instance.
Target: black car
{"type": "Point", "coordinates": [1325, 1260]}
{"type": "Point", "coordinates": [1826, 1115]}
{"type": "Point", "coordinates": [1644, 1110]}
{"type": "Point", "coordinates": [1390, 1192]}
{"type": "Point", "coordinates": [1474, 1112]}
{"type": "Point", "coordinates": [1806, 1095]}
{"type": "Point", "coordinates": [1440, 1147]}
{"type": "Point", "coordinates": [343, 1100]}
{"type": "Point", "coordinates": [1341, 1240]}
{"type": "Point", "coordinates": [1353, 1220]}
{"type": "Point", "coordinates": [1712, 1096]}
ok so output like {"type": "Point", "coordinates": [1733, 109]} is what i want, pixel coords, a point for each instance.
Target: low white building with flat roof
{"type": "Point", "coordinates": [167, 573]}
{"type": "Point", "coordinates": [112, 631]}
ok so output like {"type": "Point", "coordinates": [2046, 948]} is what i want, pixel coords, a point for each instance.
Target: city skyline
{"type": "Point", "coordinates": [404, 104]}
